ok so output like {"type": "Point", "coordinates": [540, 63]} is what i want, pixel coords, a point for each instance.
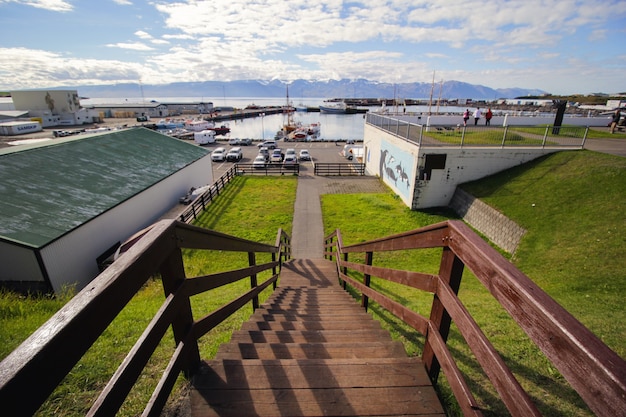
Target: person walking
{"type": "Point", "coordinates": [615, 120]}
{"type": "Point", "coordinates": [488, 117]}
{"type": "Point", "coordinates": [465, 117]}
{"type": "Point", "coordinates": [477, 114]}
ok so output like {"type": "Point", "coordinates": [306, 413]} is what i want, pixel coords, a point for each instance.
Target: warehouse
{"type": "Point", "coordinates": [68, 203]}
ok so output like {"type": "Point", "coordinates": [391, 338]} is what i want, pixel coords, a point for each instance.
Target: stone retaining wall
{"type": "Point", "coordinates": [501, 230]}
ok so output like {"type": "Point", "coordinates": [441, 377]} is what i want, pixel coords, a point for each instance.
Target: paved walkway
{"type": "Point", "coordinates": [307, 238]}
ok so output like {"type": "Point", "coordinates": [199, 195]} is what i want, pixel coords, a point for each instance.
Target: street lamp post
{"type": "Point", "coordinates": [262, 127]}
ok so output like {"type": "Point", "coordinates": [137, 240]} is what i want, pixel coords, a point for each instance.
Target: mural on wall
{"type": "Point", "coordinates": [396, 167]}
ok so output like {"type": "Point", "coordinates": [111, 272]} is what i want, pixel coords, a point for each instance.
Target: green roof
{"type": "Point", "coordinates": [49, 189]}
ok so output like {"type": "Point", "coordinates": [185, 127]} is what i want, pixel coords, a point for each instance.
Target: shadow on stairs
{"type": "Point", "coordinates": [311, 350]}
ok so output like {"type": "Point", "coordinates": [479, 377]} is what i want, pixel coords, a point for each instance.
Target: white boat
{"type": "Point", "coordinates": [196, 125]}
{"type": "Point", "coordinates": [339, 107]}
{"type": "Point", "coordinates": [204, 137]}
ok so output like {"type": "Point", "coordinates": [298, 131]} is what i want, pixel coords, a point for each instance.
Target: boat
{"type": "Point", "coordinates": [298, 135]}
{"type": "Point", "coordinates": [169, 124]}
{"type": "Point", "coordinates": [313, 129]}
{"type": "Point", "coordinates": [196, 125]}
{"type": "Point", "coordinates": [219, 130]}
{"type": "Point", "coordinates": [338, 108]}
{"type": "Point", "coordinates": [288, 109]}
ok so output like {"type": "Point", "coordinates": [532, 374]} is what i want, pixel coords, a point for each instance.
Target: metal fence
{"type": "Point", "coordinates": [476, 136]}
{"type": "Point", "coordinates": [339, 169]}
{"type": "Point", "coordinates": [267, 169]}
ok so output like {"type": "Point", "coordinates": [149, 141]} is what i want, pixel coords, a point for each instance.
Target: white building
{"type": "Point", "coordinates": [53, 107]}
{"type": "Point", "coordinates": [67, 204]}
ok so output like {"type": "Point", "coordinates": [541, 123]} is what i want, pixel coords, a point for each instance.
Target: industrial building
{"type": "Point", "coordinates": [53, 107]}
{"type": "Point", "coordinates": [68, 203]}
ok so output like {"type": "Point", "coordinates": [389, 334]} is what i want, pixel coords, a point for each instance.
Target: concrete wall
{"type": "Point", "coordinates": [464, 165]}
{"type": "Point", "coordinates": [501, 230]}
{"type": "Point", "coordinates": [403, 166]}
{"type": "Point", "coordinates": [392, 159]}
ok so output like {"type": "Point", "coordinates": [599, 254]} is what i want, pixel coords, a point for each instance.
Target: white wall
{"type": "Point", "coordinates": [71, 260]}
{"type": "Point", "coordinates": [19, 263]}
{"type": "Point", "coordinates": [463, 165]}
{"type": "Point", "coordinates": [399, 156]}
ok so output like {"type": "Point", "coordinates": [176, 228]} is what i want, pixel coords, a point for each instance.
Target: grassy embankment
{"type": "Point", "coordinates": [573, 250]}
{"type": "Point", "coordinates": [571, 205]}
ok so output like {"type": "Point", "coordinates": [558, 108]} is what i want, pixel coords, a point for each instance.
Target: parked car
{"type": "Point", "coordinates": [290, 162]}
{"type": "Point", "coordinates": [240, 142]}
{"type": "Point", "coordinates": [270, 144]}
{"type": "Point", "coordinates": [276, 156]}
{"type": "Point", "coordinates": [305, 155]}
{"type": "Point", "coordinates": [265, 152]}
{"type": "Point", "coordinates": [218, 155]}
{"type": "Point", "coordinates": [234, 155]}
{"type": "Point", "coordinates": [189, 197]}
{"type": "Point", "coordinates": [259, 162]}
{"type": "Point", "coordinates": [290, 151]}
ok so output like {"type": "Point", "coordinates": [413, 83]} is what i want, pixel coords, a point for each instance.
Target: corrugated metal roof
{"type": "Point", "coordinates": [48, 190]}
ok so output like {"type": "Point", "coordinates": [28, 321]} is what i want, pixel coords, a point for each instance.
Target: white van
{"type": "Point", "coordinates": [204, 137]}
{"type": "Point", "coordinates": [352, 151]}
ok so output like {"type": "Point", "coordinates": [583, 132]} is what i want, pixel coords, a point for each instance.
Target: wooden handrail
{"type": "Point", "coordinates": [596, 372]}
{"type": "Point", "coordinates": [55, 348]}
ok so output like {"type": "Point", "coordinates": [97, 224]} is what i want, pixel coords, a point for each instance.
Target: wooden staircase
{"type": "Point", "coordinates": [311, 350]}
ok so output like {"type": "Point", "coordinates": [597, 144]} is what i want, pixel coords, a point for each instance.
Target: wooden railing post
{"type": "Point", "coordinates": [173, 276]}
{"type": "Point", "coordinates": [369, 256]}
{"type": "Point", "coordinates": [253, 280]}
{"type": "Point", "coordinates": [450, 273]}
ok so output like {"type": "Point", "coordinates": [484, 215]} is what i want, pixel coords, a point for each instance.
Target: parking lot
{"type": "Point", "coordinates": [320, 152]}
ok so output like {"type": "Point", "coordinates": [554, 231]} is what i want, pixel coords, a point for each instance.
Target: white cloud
{"type": "Point", "coordinates": [52, 5]}
{"type": "Point", "coordinates": [135, 46]}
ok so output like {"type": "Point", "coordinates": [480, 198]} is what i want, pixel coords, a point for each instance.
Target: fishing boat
{"type": "Point", "coordinates": [219, 130]}
{"type": "Point", "coordinates": [339, 107]}
{"type": "Point", "coordinates": [298, 135]}
{"type": "Point", "coordinates": [169, 124]}
{"type": "Point", "coordinates": [196, 125]}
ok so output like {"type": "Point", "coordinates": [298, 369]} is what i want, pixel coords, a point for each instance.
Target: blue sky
{"type": "Point", "coordinates": [560, 46]}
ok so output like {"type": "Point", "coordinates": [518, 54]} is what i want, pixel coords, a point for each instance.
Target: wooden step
{"type": "Point", "coordinates": [299, 325]}
{"type": "Point", "coordinates": [334, 350]}
{"type": "Point", "coordinates": [311, 373]}
{"type": "Point", "coordinates": [304, 336]}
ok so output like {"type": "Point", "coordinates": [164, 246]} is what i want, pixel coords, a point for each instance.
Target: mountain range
{"type": "Point", "coordinates": [305, 89]}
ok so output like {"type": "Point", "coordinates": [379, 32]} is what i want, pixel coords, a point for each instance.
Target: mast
{"type": "Point", "coordinates": [439, 99]}
{"type": "Point", "coordinates": [432, 87]}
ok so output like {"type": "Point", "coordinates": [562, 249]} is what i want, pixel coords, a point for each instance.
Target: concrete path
{"type": "Point", "coordinates": [307, 231]}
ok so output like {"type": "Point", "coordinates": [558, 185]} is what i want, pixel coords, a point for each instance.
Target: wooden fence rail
{"type": "Point", "coordinates": [30, 373]}
{"type": "Point", "coordinates": [341, 168]}
{"type": "Point", "coordinates": [200, 204]}
{"type": "Point", "coordinates": [596, 372]}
